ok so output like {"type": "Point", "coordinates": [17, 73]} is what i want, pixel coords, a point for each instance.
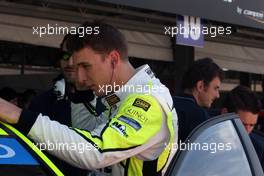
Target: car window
{"type": "Point", "coordinates": [217, 151]}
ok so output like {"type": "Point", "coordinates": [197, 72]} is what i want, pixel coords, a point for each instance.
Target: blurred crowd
{"type": "Point", "coordinates": [21, 99]}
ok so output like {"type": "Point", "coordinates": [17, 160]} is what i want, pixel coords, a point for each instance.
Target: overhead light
{"type": "Point", "coordinates": [224, 69]}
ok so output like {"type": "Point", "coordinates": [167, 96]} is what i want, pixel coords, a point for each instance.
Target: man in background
{"type": "Point", "coordinates": [245, 103]}
{"type": "Point", "coordinates": [200, 87]}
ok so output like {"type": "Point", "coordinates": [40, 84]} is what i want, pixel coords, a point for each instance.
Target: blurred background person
{"type": "Point", "coordinates": [260, 123]}
{"type": "Point", "coordinates": [200, 87]}
{"type": "Point", "coordinates": [9, 94]}
{"type": "Point", "coordinates": [26, 97]}
{"type": "Point", "coordinates": [246, 104]}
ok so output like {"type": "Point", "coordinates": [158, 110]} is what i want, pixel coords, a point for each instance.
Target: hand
{"type": "Point", "coordinates": [9, 113]}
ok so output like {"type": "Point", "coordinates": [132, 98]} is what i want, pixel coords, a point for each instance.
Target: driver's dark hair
{"type": "Point", "coordinates": [203, 69]}
{"type": "Point", "coordinates": [109, 38]}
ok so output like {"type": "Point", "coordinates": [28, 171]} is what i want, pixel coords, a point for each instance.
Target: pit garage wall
{"type": "Point", "coordinates": [151, 47]}
{"type": "Point", "coordinates": [36, 79]}
{"type": "Point", "coordinates": [141, 44]}
{"type": "Point", "coordinates": [21, 83]}
{"type": "Point", "coordinates": [157, 50]}
{"type": "Point", "coordinates": [240, 12]}
{"type": "Point", "coordinates": [233, 57]}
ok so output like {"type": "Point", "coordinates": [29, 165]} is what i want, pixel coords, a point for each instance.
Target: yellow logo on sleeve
{"type": "Point", "coordinates": [141, 104]}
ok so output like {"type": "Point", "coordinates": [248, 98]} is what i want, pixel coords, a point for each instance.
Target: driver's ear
{"type": "Point", "coordinates": [200, 86]}
{"type": "Point", "coordinates": [115, 57]}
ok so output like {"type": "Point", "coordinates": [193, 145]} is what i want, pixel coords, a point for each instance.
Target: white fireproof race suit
{"type": "Point", "coordinates": [135, 142]}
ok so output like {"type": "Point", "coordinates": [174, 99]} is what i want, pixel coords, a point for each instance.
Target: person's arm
{"type": "Point", "coordinates": [130, 132]}
{"type": "Point", "coordinates": [8, 112]}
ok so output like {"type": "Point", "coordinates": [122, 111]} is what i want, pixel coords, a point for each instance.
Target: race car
{"type": "Point", "coordinates": [218, 147]}
{"type": "Point", "coordinates": [20, 157]}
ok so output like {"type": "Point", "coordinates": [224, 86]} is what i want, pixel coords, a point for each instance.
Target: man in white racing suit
{"type": "Point", "coordinates": [142, 123]}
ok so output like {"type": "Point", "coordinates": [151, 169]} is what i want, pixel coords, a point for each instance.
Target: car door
{"type": "Point", "coordinates": [218, 147]}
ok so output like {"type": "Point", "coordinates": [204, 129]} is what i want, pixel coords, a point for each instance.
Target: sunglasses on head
{"type": "Point", "coordinates": [65, 55]}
